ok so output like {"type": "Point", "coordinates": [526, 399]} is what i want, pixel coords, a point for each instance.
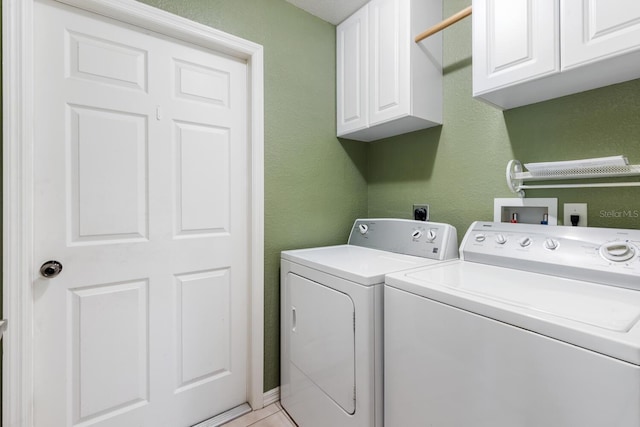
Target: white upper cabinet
{"type": "Point", "coordinates": [527, 51]}
{"type": "Point", "coordinates": [386, 83]}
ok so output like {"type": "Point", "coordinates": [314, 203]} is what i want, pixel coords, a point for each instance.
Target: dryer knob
{"type": "Point", "coordinates": [480, 237]}
{"type": "Point", "coordinates": [524, 241]}
{"type": "Point", "coordinates": [431, 235]}
{"type": "Point", "coordinates": [363, 228]}
{"type": "Point", "coordinates": [500, 239]}
{"type": "Point", "coordinates": [416, 234]}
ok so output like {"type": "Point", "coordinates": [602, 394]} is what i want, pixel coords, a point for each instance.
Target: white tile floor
{"type": "Point", "coordinates": [269, 416]}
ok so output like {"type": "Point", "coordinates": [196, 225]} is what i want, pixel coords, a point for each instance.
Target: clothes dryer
{"type": "Point", "coordinates": [331, 318]}
{"type": "Point", "coordinates": [533, 326]}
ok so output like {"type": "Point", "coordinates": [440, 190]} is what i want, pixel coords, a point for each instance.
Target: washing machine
{"type": "Point", "coordinates": [533, 326]}
{"type": "Point", "coordinates": [331, 318]}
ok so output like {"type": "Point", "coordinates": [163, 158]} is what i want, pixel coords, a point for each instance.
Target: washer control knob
{"type": "Point", "coordinates": [551, 244]}
{"type": "Point", "coordinates": [363, 228]}
{"type": "Point", "coordinates": [524, 241]}
{"type": "Point", "coordinates": [500, 239]}
{"type": "Point", "coordinates": [431, 235]}
{"type": "Point", "coordinates": [617, 251]}
{"type": "Point", "coordinates": [480, 237]}
{"type": "Point", "coordinates": [416, 234]}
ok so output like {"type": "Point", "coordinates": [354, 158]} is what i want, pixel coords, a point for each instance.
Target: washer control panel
{"type": "Point", "coordinates": [418, 238]}
{"type": "Point", "coordinates": [603, 255]}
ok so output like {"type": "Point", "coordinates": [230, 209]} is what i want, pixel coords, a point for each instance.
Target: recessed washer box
{"type": "Point", "coordinates": [529, 211]}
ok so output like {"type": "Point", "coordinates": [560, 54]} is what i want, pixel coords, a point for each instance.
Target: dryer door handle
{"type": "Point", "coordinates": [294, 319]}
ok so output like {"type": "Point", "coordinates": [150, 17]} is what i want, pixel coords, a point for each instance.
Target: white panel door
{"type": "Point", "coordinates": [141, 177]}
{"type": "Point", "coordinates": [389, 68]}
{"type": "Point", "coordinates": [514, 41]}
{"type": "Point", "coordinates": [352, 77]}
{"type": "Point", "coordinates": [596, 29]}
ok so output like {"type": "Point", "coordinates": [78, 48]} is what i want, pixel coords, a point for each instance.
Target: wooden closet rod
{"type": "Point", "coordinates": [444, 24]}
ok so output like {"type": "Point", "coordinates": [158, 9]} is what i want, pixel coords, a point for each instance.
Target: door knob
{"type": "Point", "coordinates": [50, 269]}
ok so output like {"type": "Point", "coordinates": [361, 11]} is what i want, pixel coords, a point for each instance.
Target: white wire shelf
{"type": "Point", "coordinates": [516, 176]}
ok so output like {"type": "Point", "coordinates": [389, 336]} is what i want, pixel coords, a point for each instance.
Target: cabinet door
{"type": "Point", "coordinates": [514, 41]}
{"type": "Point", "coordinates": [352, 82]}
{"type": "Point", "coordinates": [389, 68]}
{"type": "Point", "coordinates": [596, 29]}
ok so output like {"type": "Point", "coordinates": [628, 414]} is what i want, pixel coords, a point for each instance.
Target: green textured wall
{"type": "Point", "coordinates": [459, 168]}
{"type": "Point", "coordinates": [314, 185]}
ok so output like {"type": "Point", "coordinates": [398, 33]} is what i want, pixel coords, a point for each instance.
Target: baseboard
{"type": "Point", "coordinates": [271, 396]}
{"type": "Point", "coordinates": [225, 417]}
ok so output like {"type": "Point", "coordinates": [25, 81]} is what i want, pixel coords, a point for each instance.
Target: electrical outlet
{"type": "Point", "coordinates": [421, 212]}
{"type": "Point", "coordinates": [575, 209]}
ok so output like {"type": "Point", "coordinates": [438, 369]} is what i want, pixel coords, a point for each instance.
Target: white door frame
{"type": "Point", "coordinates": [18, 191]}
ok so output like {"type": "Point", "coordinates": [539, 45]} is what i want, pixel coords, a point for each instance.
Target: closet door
{"type": "Point", "coordinates": [514, 41]}
{"type": "Point", "coordinates": [140, 172]}
{"type": "Point", "coordinates": [594, 30]}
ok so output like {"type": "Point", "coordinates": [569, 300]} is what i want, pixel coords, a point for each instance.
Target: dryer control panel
{"type": "Point", "coordinates": [418, 238]}
{"type": "Point", "coordinates": [601, 255]}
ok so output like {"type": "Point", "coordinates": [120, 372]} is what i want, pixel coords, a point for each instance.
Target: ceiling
{"type": "Point", "coordinates": [333, 11]}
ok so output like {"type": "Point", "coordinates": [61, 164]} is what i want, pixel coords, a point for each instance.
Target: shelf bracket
{"type": "Point", "coordinates": [514, 184]}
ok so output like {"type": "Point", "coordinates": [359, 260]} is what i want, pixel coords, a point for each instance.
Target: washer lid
{"type": "Point", "coordinates": [361, 265]}
{"type": "Point", "coordinates": [598, 317]}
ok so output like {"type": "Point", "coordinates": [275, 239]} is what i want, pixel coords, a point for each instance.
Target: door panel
{"type": "Point", "coordinates": [141, 172]}
{"type": "Point", "coordinates": [513, 18]}
{"type": "Point", "coordinates": [105, 61]}
{"type": "Point", "coordinates": [101, 142]}
{"type": "Point", "coordinates": [389, 78]}
{"type": "Point", "coordinates": [203, 327]}
{"type": "Point", "coordinates": [202, 84]}
{"type": "Point", "coordinates": [353, 74]}
{"type": "Point", "coordinates": [95, 329]}
{"type": "Point", "coordinates": [514, 41]}
{"type": "Point", "coordinates": [202, 154]}
{"type": "Point", "coordinates": [593, 30]}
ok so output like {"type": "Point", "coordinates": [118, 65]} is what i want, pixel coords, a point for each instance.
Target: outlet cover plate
{"type": "Point", "coordinates": [575, 209]}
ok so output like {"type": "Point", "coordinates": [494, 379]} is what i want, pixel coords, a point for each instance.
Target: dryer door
{"type": "Point", "coordinates": [322, 338]}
